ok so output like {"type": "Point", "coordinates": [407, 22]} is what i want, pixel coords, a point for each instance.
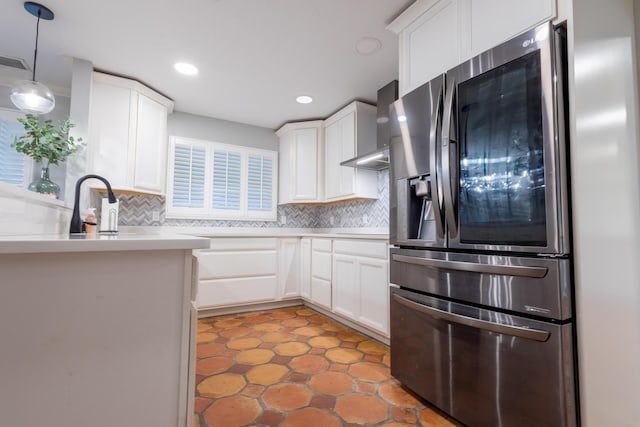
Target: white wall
{"type": "Point", "coordinates": [606, 210]}
{"type": "Point", "coordinates": [210, 129]}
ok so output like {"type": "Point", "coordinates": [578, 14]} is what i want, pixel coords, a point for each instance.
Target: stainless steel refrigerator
{"type": "Point", "coordinates": [482, 322]}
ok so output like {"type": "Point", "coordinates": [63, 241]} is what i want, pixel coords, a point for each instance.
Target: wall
{"type": "Point", "coordinates": [606, 206]}
{"type": "Point", "coordinates": [137, 210]}
{"type": "Point", "coordinates": [210, 129]}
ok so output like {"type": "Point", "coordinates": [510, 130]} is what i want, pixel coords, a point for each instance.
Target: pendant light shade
{"type": "Point", "coordinates": [29, 95]}
{"type": "Point", "coordinates": [32, 97]}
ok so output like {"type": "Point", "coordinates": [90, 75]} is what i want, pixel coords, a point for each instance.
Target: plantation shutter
{"type": "Point", "coordinates": [227, 171]}
{"type": "Point", "coordinates": [260, 183]}
{"type": "Point", "coordinates": [189, 176]}
{"type": "Point", "coordinates": [12, 163]}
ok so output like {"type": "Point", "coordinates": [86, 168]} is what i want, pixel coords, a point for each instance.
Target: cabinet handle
{"type": "Point", "coordinates": [504, 270]}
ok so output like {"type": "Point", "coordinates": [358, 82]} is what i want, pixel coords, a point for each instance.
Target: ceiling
{"type": "Point", "coordinates": [254, 56]}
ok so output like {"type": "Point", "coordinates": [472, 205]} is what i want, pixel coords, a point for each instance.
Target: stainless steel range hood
{"type": "Point", "coordinates": [377, 156]}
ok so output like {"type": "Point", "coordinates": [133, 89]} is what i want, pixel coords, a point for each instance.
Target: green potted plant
{"type": "Point", "coordinates": [47, 145]}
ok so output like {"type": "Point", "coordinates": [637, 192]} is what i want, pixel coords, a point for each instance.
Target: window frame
{"type": "Point", "coordinates": [209, 212]}
{"type": "Point", "coordinates": [8, 114]}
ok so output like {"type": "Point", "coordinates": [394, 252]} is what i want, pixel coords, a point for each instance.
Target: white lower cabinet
{"type": "Point", "coordinates": [361, 282]}
{"type": "Point", "coordinates": [237, 270]}
{"type": "Point", "coordinates": [305, 267]}
{"type": "Point", "coordinates": [289, 267]}
{"type": "Point", "coordinates": [346, 276]}
{"type": "Point", "coordinates": [321, 272]}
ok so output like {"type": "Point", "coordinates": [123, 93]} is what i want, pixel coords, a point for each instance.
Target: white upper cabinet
{"type": "Point", "coordinates": [436, 35]}
{"type": "Point", "coordinates": [430, 44]}
{"type": "Point", "coordinates": [490, 28]}
{"type": "Point", "coordinates": [342, 132]}
{"type": "Point", "coordinates": [128, 134]}
{"type": "Point", "coordinates": [300, 174]}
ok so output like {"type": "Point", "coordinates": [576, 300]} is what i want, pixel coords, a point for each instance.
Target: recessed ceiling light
{"type": "Point", "coordinates": [185, 68]}
{"type": "Point", "coordinates": [368, 45]}
{"type": "Point", "coordinates": [304, 99]}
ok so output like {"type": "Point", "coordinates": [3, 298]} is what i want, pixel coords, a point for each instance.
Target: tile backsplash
{"type": "Point", "coordinates": [137, 210]}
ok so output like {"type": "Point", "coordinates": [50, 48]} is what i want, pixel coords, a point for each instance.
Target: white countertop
{"type": "Point", "coordinates": [55, 243]}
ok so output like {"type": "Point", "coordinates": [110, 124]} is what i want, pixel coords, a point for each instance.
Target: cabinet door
{"type": "Point", "coordinates": [285, 167]}
{"type": "Point", "coordinates": [289, 267]}
{"type": "Point", "coordinates": [348, 151]}
{"type": "Point", "coordinates": [430, 45]}
{"type": "Point", "coordinates": [305, 267]}
{"type": "Point", "coordinates": [489, 29]}
{"type": "Point", "coordinates": [321, 292]}
{"type": "Point", "coordinates": [333, 153]}
{"type": "Point", "coordinates": [374, 293]}
{"type": "Point", "coordinates": [305, 164]}
{"type": "Point", "coordinates": [110, 116]}
{"type": "Point", "coordinates": [151, 145]}
{"type": "Point", "coordinates": [346, 286]}
{"type": "Point", "coordinates": [340, 140]}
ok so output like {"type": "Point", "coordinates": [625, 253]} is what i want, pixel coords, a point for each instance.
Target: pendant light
{"type": "Point", "coordinates": [29, 95]}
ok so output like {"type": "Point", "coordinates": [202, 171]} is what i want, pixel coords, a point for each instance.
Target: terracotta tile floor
{"type": "Point", "coordinates": [295, 367]}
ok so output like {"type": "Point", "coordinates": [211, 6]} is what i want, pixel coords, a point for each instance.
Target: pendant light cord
{"type": "Point", "coordinates": [35, 53]}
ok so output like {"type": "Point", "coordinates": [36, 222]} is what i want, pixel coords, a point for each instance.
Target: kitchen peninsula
{"type": "Point", "coordinates": [98, 330]}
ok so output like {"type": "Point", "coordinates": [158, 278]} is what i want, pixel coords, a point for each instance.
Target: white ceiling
{"type": "Point", "coordinates": [254, 56]}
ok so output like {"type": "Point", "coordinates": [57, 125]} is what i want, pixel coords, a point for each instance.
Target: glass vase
{"type": "Point", "coordinates": [44, 185]}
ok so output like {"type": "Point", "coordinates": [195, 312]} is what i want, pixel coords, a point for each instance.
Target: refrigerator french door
{"type": "Point", "coordinates": [478, 154]}
{"type": "Point", "coordinates": [482, 323]}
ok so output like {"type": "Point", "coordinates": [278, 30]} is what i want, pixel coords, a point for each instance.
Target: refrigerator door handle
{"type": "Point", "coordinates": [436, 179]}
{"type": "Point", "coordinates": [516, 331]}
{"type": "Point", "coordinates": [472, 267]}
{"type": "Point", "coordinates": [447, 144]}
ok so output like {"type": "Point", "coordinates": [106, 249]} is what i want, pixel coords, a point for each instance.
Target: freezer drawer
{"type": "Point", "coordinates": [484, 368]}
{"type": "Point", "coordinates": [536, 286]}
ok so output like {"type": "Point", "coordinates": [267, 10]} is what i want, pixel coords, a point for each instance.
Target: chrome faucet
{"type": "Point", "coordinates": [77, 225]}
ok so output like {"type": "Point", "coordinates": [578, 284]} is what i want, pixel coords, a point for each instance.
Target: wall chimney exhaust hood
{"type": "Point", "coordinates": [376, 156]}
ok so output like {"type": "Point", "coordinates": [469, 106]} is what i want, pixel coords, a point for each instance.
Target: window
{"type": "Point", "coordinates": [220, 181]}
{"type": "Point", "coordinates": [15, 168]}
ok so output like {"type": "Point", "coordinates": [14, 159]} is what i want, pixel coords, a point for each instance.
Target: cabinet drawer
{"type": "Point", "coordinates": [321, 265]}
{"type": "Point", "coordinates": [321, 245]}
{"type": "Point", "coordinates": [243, 243]}
{"type": "Point", "coordinates": [219, 265]}
{"type": "Point", "coordinates": [364, 248]}
{"type": "Point", "coordinates": [215, 293]}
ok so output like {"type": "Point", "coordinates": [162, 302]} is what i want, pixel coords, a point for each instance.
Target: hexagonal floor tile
{"type": "Point", "coordinates": [369, 371]}
{"type": "Point", "coordinates": [291, 349]}
{"type": "Point", "coordinates": [244, 343]}
{"type": "Point", "coordinates": [333, 383]}
{"type": "Point", "coordinates": [267, 374]}
{"type": "Point", "coordinates": [311, 417]}
{"type": "Point", "coordinates": [309, 364]}
{"type": "Point", "coordinates": [324, 342]}
{"type": "Point", "coordinates": [221, 385]}
{"type": "Point", "coordinates": [233, 411]}
{"type": "Point", "coordinates": [277, 337]}
{"type": "Point", "coordinates": [343, 355]}
{"type": "Point", "coordinates": [267, 327]}
{"type": "Point", "coordinates": [286, 397]}
{"type": "Point", "coordinates": [359, 409]}
{"type": "Point", "coordinates": [392, 392]}
{"type": "Point", "coordinates": [213, 365]}
{"type": "Point", "coordinates": [372, 347]}
{"type": "Point", "coordinates": [256, 356]}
